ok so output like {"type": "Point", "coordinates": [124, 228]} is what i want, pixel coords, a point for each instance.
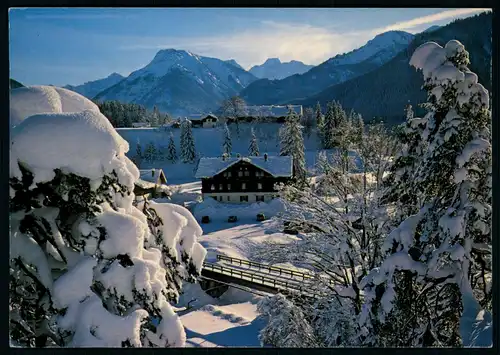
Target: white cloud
{"type": "Point", "coordinates": [429, 19]}
{"type": "Point", "coordinates": [307, 43]}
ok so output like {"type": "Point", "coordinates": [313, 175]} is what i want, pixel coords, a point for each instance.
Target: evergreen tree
{"type": "Point", "coordinates": [227, 145]}
{"type": "Point", "coordinates": [319, 116]}
{"type": "Point", "coordinates": [308, 121]}
{"type": "Point", "coordinates": [138, 154]}
{"type": "Point", "coordinates": [254, 145]}
{"type": "Point", "coordinates": [328, 128]}
{"type": "Point", "coordinates": [358, 129]}
{"type": "Point", "coordinates": [82, 257]}
{"type": "Point", "coordinates": [151, 153]}
{"type": "Point", "coordinates": [160, 152]}
{"type": "Point", "coordinates": [435, 248]}
{"type": "Point", "coordinates": [188, 150]}
{"type": "Point", "coordinates": [171, 150]}
{"type": "Point", "coordinates": [340, 126]}
{"type": "Point", "coordinates": [292, 144]}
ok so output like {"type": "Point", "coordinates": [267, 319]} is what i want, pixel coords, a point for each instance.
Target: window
{"type": "Point", "coordinates": [247, 173]}
{"type": "Point", "coordinates": [229, 186]}
{"type": "Point", "coordinates": [212, 187]}
{"type": "Point", "coordinates": [259, 186]}
{"type": "Point", "coordinates": [228, 174]}
{"type": "Point", "coordinates": [220, 187]}
{"type": "Point", "coordinates": [243, 198]}
{"type": "Point", "coordinates": [214, 197]}
{"type": "Point", "coordinates": [229, 198]}
{"type": "Point", "coordinates": [259, 198]}
{"type": "Point", "coordinates": [243, 186]}
{"type": "Point", "coordinates": [240, 173]}
{"type": "Point", "coordinates": [220, 198]}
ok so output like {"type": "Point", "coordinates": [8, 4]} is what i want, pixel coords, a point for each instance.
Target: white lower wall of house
{"type": "Point", "coordinates": [234, 197]}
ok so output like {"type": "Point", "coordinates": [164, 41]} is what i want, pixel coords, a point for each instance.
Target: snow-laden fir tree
{"type": "Point", "coordinates": [292, 144]}
{"type": "Point", "coordinates": [327, 130]}
{"type": "Point", "coordinates": [227, 144]}
{"type": "Point", "coordinates": [319, 116]}
{"type": "Point", "coordinates": [308, 121]}
{"type": "Point", "coordinates": [138, 154]}
{"type": "Point", "coordinates": [87, 268]}
{"type": "Point", "coordinates": [150, 153]}
{"type": "Point", "coordinates": [188, 150]}
{"type": "Point", "coordinates": [400, 188]}
{"type": "Point", "coordinates": [160, 152]}
{"type": "Point", "coordinates": [253, 149]}
{"type": "Point", "coordinates": [171, 150]}
{"type": "Point", "coordinates": [443, 252]}
{"type": "Point", "coordinates": [358, 128]}
{"type": "Point", "coordinates": [340, 127]}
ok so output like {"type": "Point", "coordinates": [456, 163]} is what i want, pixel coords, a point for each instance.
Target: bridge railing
{"type": "Point", "coordinates": [261, 279]}
{"type": "Point", "coordinates": [275, 269]}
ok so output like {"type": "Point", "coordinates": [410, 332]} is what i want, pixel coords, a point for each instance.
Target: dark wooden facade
{"type": "Point", "coordinates": [241, 177]}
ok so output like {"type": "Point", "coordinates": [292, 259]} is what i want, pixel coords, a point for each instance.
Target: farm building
{"type": "Point", "coordinates": [243, 180]}
{"type": "Point", "coordinates": [140, 124]}
{"type": "Point", "coordinates": [280, 111]}
{"type": "Point", "coordinates": [209, 120]}
{"type": "Point", "coordinates": [151, 183]}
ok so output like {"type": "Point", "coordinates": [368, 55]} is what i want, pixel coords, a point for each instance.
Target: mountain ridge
{"type": "Point", "coordinates": [396, 83]}
{"type": "Point", "coordinates": [339, 68]}
{"type": "Point", "coordinates": [180, 82]}
{"type": "Point", "coordinates": [91, 88]}
{"type": "Point", "coordinates": [273, 69]}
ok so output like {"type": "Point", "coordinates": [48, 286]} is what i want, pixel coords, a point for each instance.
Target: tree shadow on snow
{"type": "Point", "coordinates": [241, 336]}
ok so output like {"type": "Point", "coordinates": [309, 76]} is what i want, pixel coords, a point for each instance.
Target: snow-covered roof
{"type": "Point", "coordinates": [201, 117]}
{"type": "Point", "coordinates": [147, 174]}
{"type": "Point", "coordinates": [278, 166]}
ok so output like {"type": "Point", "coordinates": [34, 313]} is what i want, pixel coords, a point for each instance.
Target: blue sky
{"type": "Point", "coordinates": [72, 46]}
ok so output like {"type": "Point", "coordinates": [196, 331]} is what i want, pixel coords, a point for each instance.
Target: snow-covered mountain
{"type": "Point", "coordinates": [432, 28]}
{"type": "Point", "coordinates": [380, 49]}
{"type": "Point", "coordinates": [338, 69]}
{"type": "Point", "coordinates": [385, 91]}
{"type": "Point", "coordinates": [273, 68]}
{"type": "Point", "coordinates": [180, 82]}
{"type": "Point", "coordinates": [233, 62]}
{"type": "Point", "coordinates": [92, 88]}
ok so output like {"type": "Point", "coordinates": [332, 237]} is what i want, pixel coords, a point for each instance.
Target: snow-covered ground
{"type": "Point", "coordinates": [231, 320]}
{"type": "Point", "coordinates": [208, 143]}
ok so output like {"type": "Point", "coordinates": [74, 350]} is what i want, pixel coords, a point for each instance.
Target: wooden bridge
{"type": "Point", "coordinates": [269, 279]}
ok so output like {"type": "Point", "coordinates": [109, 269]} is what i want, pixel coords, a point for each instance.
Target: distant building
{"type": "Point", "coordinates": [243, 180]}
{"type": "Point", "coordinates": [151, 183]}
{"type": "Point", "coordinates": [140, 124]}
{"type": "Point", "coordinates": [278, 111]}
{"type": "Point", "coordinates": [205, 121]}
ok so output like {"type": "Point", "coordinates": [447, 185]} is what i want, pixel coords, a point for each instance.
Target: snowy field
{"type": "Point", "coordinates": [208, 142]}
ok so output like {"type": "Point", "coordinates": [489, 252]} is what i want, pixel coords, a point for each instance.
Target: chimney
{"type": "Point", "coordinates": [265, 156]}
